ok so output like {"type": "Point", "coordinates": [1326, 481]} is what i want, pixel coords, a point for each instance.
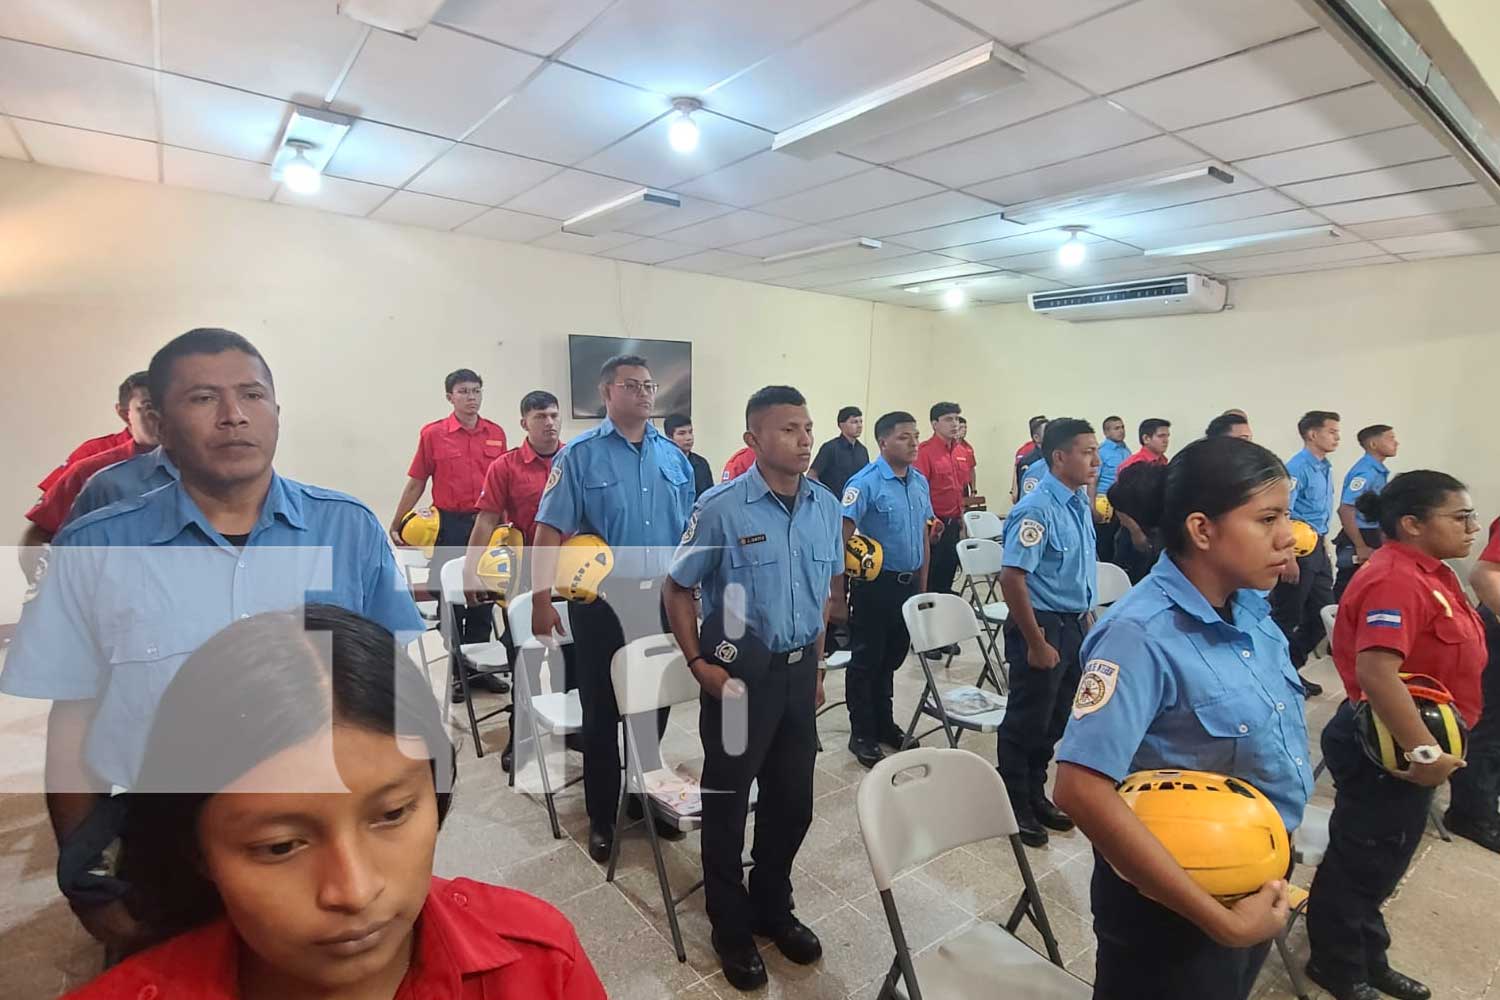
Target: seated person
{"type": "Point", "coordinates": [1136, 548]}
{"type": "Point", "coordinates": [280, 841]}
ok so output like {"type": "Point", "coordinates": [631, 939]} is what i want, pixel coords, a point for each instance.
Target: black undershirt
{"type": "Point", "coordinates": [1226, 613]}
{"type": "Point", "coordinates": [788, 500]}
{"type": "Point", "coordinates": [238, 541]}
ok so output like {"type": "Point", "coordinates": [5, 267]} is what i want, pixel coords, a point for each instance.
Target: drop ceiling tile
{"type": "Point", "coordinates": [1202, 213]}
{"type": "Point", "coordinates": [1285, 71]}
{"type": "Point", "coordinates": [482, 176]}
{"type": "Point", "coordinates": [945, 273]}
{"type": "Point", "coordinates": [1432, 254]}
{"type": "Point", "coordinates": [95, 152]}
{"type": "Point", "coordinates": [114, 29]}
{"type": "Point", "coordinates": [540, 26]}
{"type": "Point", "coordinates": [1104, 271]}
{"type": "Point", "coordinates": [442, 83]}
{"type": "Point", "coordinates": [337, 195]}
{"type": "Point", "coordinates": [789, 241]}
{"type": "Point", "coordinates": [901, 264]}
{"type": "Point", "coordinates": [1149, 156]}
{"type": "Point", "coordinates": [711, 262]}
{"type": "Point", "coordinates": [1291, 262]}
{"type": "Point", "coordinates": [691, 212]}
{"type": "Point", "coordinates": [573, 243]}
{"type": "Point", "coordinates": [677, 51]}
{"type": "Point", "coordinates": [1041, 92]}
{"type": "Point", "coordinates": [933, 210]}
{"type": "Point", "coordinates": [873, 46]}
{"type": "Point", "coordinates": [565, 115]}
{"type": "Point", "coordinates": [1441, 222]}
{"type": "Point", "coordinates": [1042, 259]}
{"type": "Point", "coordinates": [1318, 120]}
{"type": "Point", "coordinates": [790, 272]}
{"type": "Point", "coordinates": [1172, 34]}
{"type": "Point", "coordinates": [960, 233]}
{"type": "Point", "coordinates": [1016, 22]}
{"type": "Point", "coordinates": [1014, 246]}
{"type": "Point", "coordinates": [1063, 135]}
{"type": "Point", "coordinates": [80, 91]}
{"type": "Point", "coordinates": [216, 119]}
{"type": "Point", "coordinates": [1399, 206]}
{"type": "Point", "coordinates": [862, 192]}
{"type": "Point", "coordinates": [207, 172]}
{"type": "Point", "coordinates": [649, 251]}
{"type": "Point", "coordinates": [10, 142]}
{"type": "Point", "coordinates": [1446, 172]}
{"type": "Point", "coordinates": [768, 175]}
{"type": "Point", "coordinates": [1467, 241]}
{"type": "Point", "coordinates": [648, 157]}
{"type": "Point", "coordinates": [1345, 156]}
{"type": "Point", "coordinates": [1299, 218]}
{"type": "Point", "coordinates": [570, 193]}
{"type": "Point", "coordinates": [732, 228]}
{"type": "Point", "coordinates": [1015, 291]}
{"type": "Point", "coordinates": [282, 48]}
{"type": "Point", "coordinates": [513, 227]}
{"type": "Point", "coordinates": [381, 154]}
{"type": "Point", "coordinates": [412, 209]}
{"type": "Point", "coordinates": [1279, 254]}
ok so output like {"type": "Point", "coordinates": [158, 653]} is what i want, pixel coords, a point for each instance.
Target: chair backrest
{"type": "Point", "coordinates": [938, 620]}
{"type": "Point", "coordinates": [451, 579]}
{"type": "Point", "coordinates": [915, 805]}
{"type": "Point", "coordinates": [650, 673]}
{"type": "Point", "coordinates": [981, 556]}
{"type": "Point", "coordinates": [1330, 613]}
{"type": "Point", "coordinates": [983, 524]}
{"type": "Point", "coordinates": [1114, 583]}
{"type": "Point", "coordinates": [410, 558]}
{"type": "Point", "coordinates": [519, 613]}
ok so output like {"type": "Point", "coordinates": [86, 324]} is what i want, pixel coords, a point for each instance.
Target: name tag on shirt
{"type": "Point", "coordinates": [752, 539]}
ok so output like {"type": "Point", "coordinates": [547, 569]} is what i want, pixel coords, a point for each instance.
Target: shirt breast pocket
{"type": "Point", "coordinates": [890, 517]}
{"type": "Point", "coordinates": [758, 569]}
{"type": "Point", "coordinates": [143, 659]}
{"type": "Point", "coordinates": [1232, 722]}
{"type": "Point", "coordinates": [1450, 631]}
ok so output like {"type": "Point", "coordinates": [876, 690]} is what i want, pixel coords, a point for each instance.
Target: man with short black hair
{"type": "Point", "coordinates": [1229, 425]}
{"type": "Point", "coordinates": [947, 468]}
{"type": "Point", "coordinates": [1112, 453]}
{"type": "Point", "coordinates": [843, 455]}
{"type": "Point", "coordinates": [679, 427]}
{"type": "Point", "coordinates": [1027, 454]}
{"type": "Point", "coordinates": [1307, 582]}
{"type": "Point", "coordinates": [1360, 536]}
{"type": "Point", "coordinates": [962, 444]}
{"type": "Point", "coordinates": [104, 442]}
{"type": "Point", "coordinates": [1154, 435]}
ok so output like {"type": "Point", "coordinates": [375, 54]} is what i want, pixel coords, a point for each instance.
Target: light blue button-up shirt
{"type": "Point", "coordinates": [1111, 454]}
{"type": "Point", "coordinates": [774, 568]}
{"type": "Point", "coordinates": [1368, 475]}
{"type": "Point", "coordinates": [133, 588]}
{"type": "Point", "coordinates": [1312, 489]}
{"type": "Point", "coordinates": [893, 510]}
{"type": "Point", "coordinates": [1032, 477]}
{"type": "Point", "coordinates": [1050, 535]}
{"type": "Point", "coordinates": [1167, 683]}
{"type": "Point", "coordinates": [122, 481]}
{"type": "Point", "coordinates": [636, 497]}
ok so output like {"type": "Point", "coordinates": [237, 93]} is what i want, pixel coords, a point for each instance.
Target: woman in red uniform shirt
{"type": "Point", "coordinates": [1404, 611]}
{"type": "Point", "coordinates": [281, 839]}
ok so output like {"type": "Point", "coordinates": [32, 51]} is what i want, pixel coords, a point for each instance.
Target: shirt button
{"type": "Point", "coordinates": [244, 615]}
{"type": "Point", "coordinates": [1244, 728]}
{"type": "Point", "coordinates": [460, 899]}
{"type": "Point", "coordinates": [147, 992]}
{"type": "Point", "coordinates": [643, 489]}
{"type": "Point", "coordinates": [242, 564]}
{"type": "Point", "coordinates": [1245, 653]}
{"type": "Point", "coordinates": [1299, 760]}
{"type": "Point", "coordinates": [150, 650]}
{"type": "Point", "coordinates": [1280, 707]}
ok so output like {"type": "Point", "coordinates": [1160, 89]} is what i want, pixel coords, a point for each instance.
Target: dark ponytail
{"type": "Point", "coordinates": [1417, 493]}
{"type": "Point", "coordinates": [1211, 476]}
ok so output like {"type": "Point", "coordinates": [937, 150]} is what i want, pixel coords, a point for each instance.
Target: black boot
{"type": "Point", "coordinates": [1050, 816]}
{"type": "Point", "coordinates": [741, 963]}
{"type": "Point", "coordinates": [1033, 834]}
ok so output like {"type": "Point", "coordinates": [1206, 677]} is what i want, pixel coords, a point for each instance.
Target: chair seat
{"type": "Point", "coordinates": [691, 822]}
{"type": "Point", "coordinates": [484, 655]}
{"type": "Point", "coordinates": [428, 610]}
{"type": "Point", "coordinates": [984, 722]}
{"type": "Point", "coordinates": [986, 960]}
{"type": "Point", "coordinates": [997, 612]}
{"type": "Point", "coordinates": [559, 713]}
{"type": "Point", "coordinates": [839, 660]}
{"type": "Point", "coordinates": [1310, 842]}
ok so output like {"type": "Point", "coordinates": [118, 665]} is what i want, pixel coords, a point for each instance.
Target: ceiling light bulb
{"type": "Point", "coordinates": [954, 297]}
{"type": "Point", "coordinates": [1072, 253]}
{"type": "Point", "coordinates": [683, 133]}
{"type": "Point", "coordinates": [300, 175]}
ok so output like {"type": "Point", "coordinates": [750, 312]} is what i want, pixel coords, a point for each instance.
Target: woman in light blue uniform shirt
{"type": "Point", "coordinates": [1188, 671]}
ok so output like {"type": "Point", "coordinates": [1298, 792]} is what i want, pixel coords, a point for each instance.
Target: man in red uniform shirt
{"type": "Point", "coordinates": [1473, 813]}
{"type": "Point", "coordinates": [949, 468]}
{"type": "Point", "coordinates": [105, 441]}
{"type": "Point", "coordinates": [1154, 434]}
{"type": "Point", "coordinates": [968, 449]}
{"type": "Point", "coordinates": [739, 463]}
{"type": "Point", "coordinates": [1027, 454]}
{"type": "Point", "coordinates": [455, 453]}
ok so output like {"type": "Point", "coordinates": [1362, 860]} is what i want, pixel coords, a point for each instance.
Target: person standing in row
{"type": "Point", "coordinates": [842, 456]}
{"type": "Point", "coordinates": [1475, 809]}
{"type": "Point", "coordinates": [1027, 454]}
{"type": "Point", "coordinates": [1112, 454]}
{"type": "Point", "coordinates": [104, 442]}
{"type": "Point", "coordinates": [887, 501]}
{"type": "Point", "coordinates": [1050, 580]}
{"type": "Point", "coordinates": [962, 443]}
{"type": "Point", "coordinates": [764, 550]}
{"type": "Point", "coordinates": [1307, 583]}
{"type": "Point", "coordinates": [739, 463]}
{"type": "Point", "coordinates": [946, 467]}
{"type": "Point", "coordinates": [679, 427]}
{"type": "Point", "coordinates": [625, 482]}
{"type": "Point", "coordinates": [1229, 425]}
{"type": "Point", "coordinates": [1154, 436]}
{"type": "Point", "coordinates": [1360, 536]}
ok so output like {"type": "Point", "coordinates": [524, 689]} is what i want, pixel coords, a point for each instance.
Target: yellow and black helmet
{"type": "Point", "coordinates": [1441, 717]}
{"type": "Point", "coordinates": [419, 529]}
{"type": "Point", "coordinates": [1304, 538]}
{"type": "Point", "coordinates": [583, 562]}
{"type": "Point", "coordinates": [863, 557]}
{"type": "Point", "coordinates": [501, 560]}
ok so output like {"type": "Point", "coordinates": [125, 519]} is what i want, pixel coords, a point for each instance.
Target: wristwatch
{"type": "Point", "coordinates": [1429, 754]}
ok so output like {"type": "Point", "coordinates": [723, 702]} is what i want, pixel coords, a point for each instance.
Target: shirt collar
{"type": "Point", "coordinates": [1055, 488]}
{"type": "Point", "coordinates": [452, 943]}
{"type": "Point", "coordinates": [178, 510]}
{"type": "Point", "coordinates": [757, 487]}
{"type": "Point", "coordinates": [1315, 459]}
{"type": "Point", "coordinates": [1377, 463]}
{"type": "Point", "coordinates": [886, 472]}
{"type": "Point", "coordinates": [1248, 606]}
{"type": "Point", "coordinates": [159, 459]}
{"type": "Point", "coordinates": [1423, 561]}
{"type": "Point", "coordinates": [607, 427]}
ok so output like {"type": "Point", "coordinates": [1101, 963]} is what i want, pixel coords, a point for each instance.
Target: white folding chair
{"type": "Point", "coordinates": [935, 621]}
{"type": "Point", "coordinates": [983, 560]}
{"type": "Point", "coordinates": [1309, 844]}
{"type": "Point", "coordinates": [537, 711]}
{"type": "Point", "coordinates": [1330, 616]}
{"type": "Point", "coordinates": [913, 807]}
{"type": "Point", "coordinates": [836, 662]}
{"type": "Point", "coordinates": [1114, 583]}
{"type": "Point", "coordinates": [411, 562]}
{"type": "Point", "coordinates": [484, 658]}
{"type": "Point", "coordinates": [983, 524]}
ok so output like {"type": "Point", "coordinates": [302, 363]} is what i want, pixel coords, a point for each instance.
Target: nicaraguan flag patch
{"type": "Point", "coordinates": [1383, 618]}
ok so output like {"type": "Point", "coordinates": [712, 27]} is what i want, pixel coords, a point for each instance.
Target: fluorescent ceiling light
{"type": "Point", "coordinates": [1233, 242]}
{"type": "Point", "coordinates": [307, 144]}
{"type": "Point", "coordinates": [1124, 197]}
{"type": "Point", "coordinates": [400, 17]}
{"type": "Point", "coordinates": [616, 216]}
{"type": "Point", "coordinates": [944, 284]}
{"type": "Point", "coordinates": [861, 243]}
{"type": "Point", "coordinates": [963, 79]}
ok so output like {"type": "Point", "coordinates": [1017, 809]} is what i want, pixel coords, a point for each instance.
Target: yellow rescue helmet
{"type": "Point", "coordinates": [501, 560]}
{"type": "Point", "coordinates": [419, 529]}
{"type": "Point", "coordinates": [1304, 538]}
{"type": "Point", "coordinates": [1103, 507]}
{"type": "Point", "coordinates": [1223, 831]}
{"type": "Point", "coordinates": [583, 562]}
{"type": "Point", "coordinates": [863, 557]}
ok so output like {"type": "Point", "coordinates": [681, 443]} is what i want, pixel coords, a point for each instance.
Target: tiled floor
{"type": "Point", "coordinates": [1445, 918]}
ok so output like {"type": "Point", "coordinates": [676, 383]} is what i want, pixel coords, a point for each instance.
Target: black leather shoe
{"type": "Point", "coordinates": [795, 940]}
{"type": "Point", "coordinates": [894, 737]}
{"type": "Point", "coordinates": [1396, 984]}
{"type": "Point", "coordinates": [741, 964]}
{"type": "Point", "coordinates": [458, 695]}
{"type": "Point", "coordinates": [1033, 834]}
{"type": "Point", "coordinates": [1486, 835]}
{"type": "Point", "coordinates": [488, 682]}
{"type": "Point", "coordinates": [867, 752]}
{"type": "Point", "coordinates": [1311, 688]}
{"type": "Point", "coordinates": [1354, 991]}
{"type": "Point", "coordinates": [600, 842]}
{"type": "Point", "coordinates": [507, 759]}
{"type": "Point", "coordinates": [1050, 816]}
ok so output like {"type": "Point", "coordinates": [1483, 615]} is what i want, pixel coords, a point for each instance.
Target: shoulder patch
{"type": "Point", "coordinates": [726, 652]}
{"type": "Point", "coordinates": [42, 559]}
{"type": "Point", "coordinates": [1029, 484]}
{"type": "Point", "coordinates": [850, 495]}
{"type": "Point", "coordinates": [692, 526]}
{"type": "Point", "coordinates": [1095, 687]}
{"type": "Point", "coordinates": [553, 478]}
{"type": "Point", "coordinates": [1358, 483]}
{"type": "Point", "coordinates": [1031, 532]}
{"type": "Point", "coordinates": [1384, 618]}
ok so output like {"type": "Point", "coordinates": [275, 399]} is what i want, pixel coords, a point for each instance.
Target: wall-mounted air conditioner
{"type": "Point", "coordinates": [1182, 293]}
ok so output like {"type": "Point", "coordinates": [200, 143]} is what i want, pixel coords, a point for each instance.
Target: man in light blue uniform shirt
{"type": "Point", "coordinates": [1050, 582]}
{"type": "Point", "coordinates": [765, 549]}
{"type": "Point", "coordinates": [1360, 536]}
{"type": "Point", "coordinates": [888, 501]}
{"type": "Point", "coordinates": [1112, 451]}
{"type": "Point", "coordinates": [133, 588]}
{"type": "Point", "coordinates": [1307, 584]}
{"type": "Point", "coordinates": [124, 480]}
{"type": "Point", "coordinates": [629, 484]}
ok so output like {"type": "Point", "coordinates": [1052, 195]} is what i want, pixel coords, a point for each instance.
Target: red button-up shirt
{"type": "Point", "coordinates": [1144, 455]}
{"type": "Point", "coordinates": [92, 446]}
{"type": "Point", "coordinates": [948, 468]}
{"type": "Point", "coordinates": [51, 510]}
{"type": "Point", "coordinates": [474, 942]}
{"type": "Point", "coordinates": [456, 460]}
{"type": "Point", "coordinates": [739, 463]}
{"type": "Point", "coordinates": [1410, 603]}
{"type": "Point", "coordinates": [972, 460]}
{"type": "Point", "coordinates": [513, 486]}
{"type": "Point", "coordinates": [1491, 551]}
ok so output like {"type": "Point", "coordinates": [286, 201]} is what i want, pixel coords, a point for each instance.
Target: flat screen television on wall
{"type": "Point", "coordinates": [671, 366]}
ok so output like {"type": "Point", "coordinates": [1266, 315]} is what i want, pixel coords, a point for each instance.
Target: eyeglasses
{"type": "Point", "coordinates": [1464, 517]}
{"type": "Point", "coordinates": [638, 387]}
{"type": "Point", "coordinates": [468, 393]}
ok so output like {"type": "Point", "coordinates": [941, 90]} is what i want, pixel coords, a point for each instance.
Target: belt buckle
{"type": "Point", "coordinates": [905, 578]}
{"type": "Point", "coordinates": [795, 656]}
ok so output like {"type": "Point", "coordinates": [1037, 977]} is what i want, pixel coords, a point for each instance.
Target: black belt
{"type": "Point", "coordinates": [1059, 615]}
{"type": "Point", "coordinates": [792, 657]}
{"type": "Point", "coordinates": [901, 578]}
